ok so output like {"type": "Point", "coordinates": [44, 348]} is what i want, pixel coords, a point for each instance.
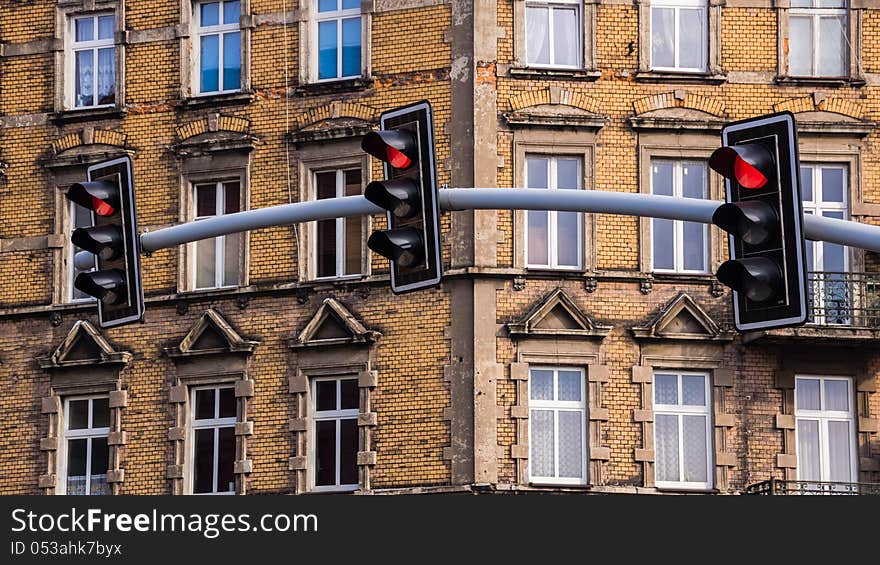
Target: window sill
{"type": "Point", "coordinates": [687, 490]}
{"type": "Point", "coordinates": [239, 98]}
{"type": "Point", "coordinates": [827, 82]}
{"type": "Point", "coordinates": [545, 73]}
{"type": "Point", "coordinates": [333, 87]}
{"type": "Point", "coordinates": [87, 115]}
{"type": "Point", "coordinates": [663, 277]}
{"type": "Point", "coordinates": [548, 272]}
{"type": "Point", "coordinates": [679, 77]}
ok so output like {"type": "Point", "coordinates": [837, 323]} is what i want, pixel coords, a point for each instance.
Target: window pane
{"type": "Point", "coordinates": [832, 42]}
{"type": "Point", "coordinates": [694, 235]}
{"type": "Point", "coordinates": [206, 200]}
{"type": "Point", "coordinates": [85, 63]}
{"type": "Point", "coordinates": [210, 13]}
{"type": "Point", "coordinates": [693, 177]}
{"type": "Point", "coordinates": [832, 184]}
{"type": "Point", "coordinates": [661, 178]}
{"type": "Point", "coordinates": [538, 237]}
{"type": "Point", "coordinates": [325, 395]}
{"type": "Point", "coordinates": [800, 46]}
{"type": "Point", "coordinates": [351, 47]}
{"type": "Point", "coordinates": [226, 460]}
{"type": "Point", "coordinates": [231, 61]}
{"type": "Point", "coordinates": [210, 63]}
{"type": "Point", "coordinates": [693, 390]}
{"type": "Point", "coordinates": [695, 450]}
{"type": "Point", "coordinates": [807, 394]}
{"type": "Point", "coordinates": [665, 389]}
{"type": "Point", "coordinates": [325, 452]}
{"type": "Point", "coordinates": [76, 466]}
{"type": "Point", "coordinates": [565, 40]}
{"type": "Point", "coordinates": [231, 12]}
{"type": "Point", "coordinates": [353, 226]}
{"type": "Point", "coordinates": [231, 259]}
{"type": "Point", "coordinates": [801, 3]}
{"type": "Point", "coordinates": [666, 447]}
{"type": "Point", "coordinates": [808, 450]}
{"type": "Point", "coordinates": [205, 409]}
{"type": "Point", "coordinates": [349, 394]}
{"type": "Point", "coordinates": [806, 183]}
{"type": "Point", "coordinates": [571, 448]}
{"type": "Point", "coordinates": [351, 4]}
{"type": "Point", "coordinates": [78, 418]}
{"type": "Point", "coordinates": [542, 441]}
{"type": "Point", "coordinates": [327, 45]}
{"type": "Point", "coordinates": [567, 239]}
{"type": "Point", "coordinates": [348, 448]}
{"type": "Point", "coordinates": [567, 173]}
{"type": "Point", "coordinates": [106, 76]}
{"type": "Point", "coordinates": [569, 385]}
{"type": "Point", "coordinates": [328, 5]}
{"type": "Point", "coordinates": [106, 27]}
{"type": "Point", "coordinates": [692, 35]}
{"type": "Point", "coordinates": [325, 185]}
{"type": "Point", "coordinates": [227, 402]}
{"type": "Point", "coordinates": [836, 395]}
{"type": "Point", "coordinates": [206, 251]}
{"type": "Point", "coordinates": [537, 36]}
{"type": "Point", "coordinates": [663, 244]}
{"type": "Point", "coordinates": [662, 37]}
{"type": "Point", "coordinates": [85, 29]}
{"type": "Point", "coordinates": [100, 456]}
{"type": "Point", "coordinates": [101, 413]}
{"type": "Point", "coordinates": [840, 451]}
{"type": "Point", "coordinates": [541, 384]}
{"type": "Point", "coordinates": [326, 248]}
{"type": "Point", "coordinates": [203, 461]}
{"type": "Point", "coordinates": [537, 172]}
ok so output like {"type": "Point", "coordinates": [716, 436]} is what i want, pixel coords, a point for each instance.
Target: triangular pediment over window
{"type": "Point", "coordinates": [556, 315]}
{"type": "Point", "coordinates": [682, 318]}
{"type": "Point", "coordinates": [83, 345]}
{"type": "Point", "coordinates": [334, 324]}
{"type": "Point", "coordinates": [211, 334]}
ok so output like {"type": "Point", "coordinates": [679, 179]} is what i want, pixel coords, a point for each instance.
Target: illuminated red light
{"type": "Point", "coordinates": [397, 159]}
{"type": "Point", "coordinates": [747, 175]}
{"type": "Point", "coordinates": [101, 208]}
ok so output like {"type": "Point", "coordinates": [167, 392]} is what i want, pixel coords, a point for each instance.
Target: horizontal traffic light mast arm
{"type": "Point", "coordinates": [844, 232]}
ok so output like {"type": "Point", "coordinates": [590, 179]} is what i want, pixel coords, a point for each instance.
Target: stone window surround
{"type": "Point", "coordinates": [308, 60]}
{"type": "Point", "coordinates": [556, 143]}
{"type": "Point", "coordinates": [315, 157]}
{"type": "Point", "coordinates": [63, 14]}
{"type": "Point", "coordinates": [519, 67]}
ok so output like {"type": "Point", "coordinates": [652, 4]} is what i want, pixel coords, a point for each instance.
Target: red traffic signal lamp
{"type": "Point", "coordinates": [409, 194]}
{"type": "Point", "coordinates": [764, 218]}
{"type": "Point", "coordinates": [113, 240]}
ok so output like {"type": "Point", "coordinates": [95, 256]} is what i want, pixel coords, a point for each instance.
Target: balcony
{"type": "Point", "coordinates": [781, 487]}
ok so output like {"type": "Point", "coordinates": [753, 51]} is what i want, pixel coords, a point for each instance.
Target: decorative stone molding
{"type": "Point", "coordinates": [825, 115]}
{"type": "Point", "coordinates": [86, 146]}
{"type": "Point", "coordinates": [556, 315]}
{"type": "Point", "coordinates": [679, 99]}
{"type": "Point", "coordinates": [682, 319]}
{"type": "Point", "coordinates": [336, 110]}
{"type": "Point", "coordinates": [214, 133]}
{"type": "Point", "coordinates": [554, 107]}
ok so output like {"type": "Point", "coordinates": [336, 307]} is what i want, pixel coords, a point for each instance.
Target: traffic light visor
{"type": "Point", "coordinates": [395, 147]}
{"type": "Point", "coordinates": [99, 196]}
{"type": "Point", "coordinates": [750, 165]}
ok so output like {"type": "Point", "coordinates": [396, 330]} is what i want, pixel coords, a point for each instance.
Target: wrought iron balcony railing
{"type": "Point", "coordinates": [844, 299]}
{"type": "Point", "coordinates": [782, 487]}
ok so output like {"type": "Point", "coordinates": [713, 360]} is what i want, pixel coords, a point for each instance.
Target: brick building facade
{"type": "Point", "coordinates": [561, 351]}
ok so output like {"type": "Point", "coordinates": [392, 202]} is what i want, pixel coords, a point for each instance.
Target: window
{"type": "Point", "coordinates": [338, 243]}
{"type": "Point", "coordinates": [554, 240]}
{"type": "Point", "coordinates": [557, 426]}
{"type": "Point", "coordinates": [80, 218]}
{"type": "Point", "coordinates": [817, 38]}
{"type": "Point", "coordinates": [682, 430]}
{"type": "Point", "coordinates": [681, 247]}
{"type": "Point", "coordinates": [679, 35]}
{"type": "Point", "coordinates": [91, 67]}
{"type": "Point", "coordinates": [338, 29]}
{"type": "Point", "coordinates": [218, 47]}
{"type": "Point", "coordinates": [218, 260]}
{"type": "Point", "coordinates": [825, 429]}
{"type": "Point", "coordinates": [335, 405]}
{"type": "Point", "coordinates": [554, 33]}
{"type": "Point", "coordinates": [86, 457]}
{"type": "Point", "coordinates": [213, 440]}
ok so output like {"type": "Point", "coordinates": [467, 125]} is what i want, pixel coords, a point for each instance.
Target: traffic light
{"type": "Point", "coordinates": [764, 218]}
{"type": "Point", "coordinates": [111, 244]}
{"type": "Point", "coordinates": [405, 144]}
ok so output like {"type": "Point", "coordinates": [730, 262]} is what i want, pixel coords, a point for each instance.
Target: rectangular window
{"type": "Point", "coordinates": [80, 218]}
{"type": "Point", "coordinates": [679, 35]}
{"type": "Point", "coordinates": [338, 31]}
{"type": "Point", "coordinates": [825, 429]}
{"type": "Point", "coordinates": [817, 38]}
{"type": "Point", "coordinates": [85, 457]}
{"type": "Point", "coordinates": [335, 406]}
{"type": "Point", "coordinates": [824, 193]}
{"type": "Point", "coordinates": [217, 47]}
{"type": "Point", "coordinates": [92, 63]}
{"type": "Point", "coordinates": [212, 437]}
{"type": "Point", "coordinates": [677, 246]}
{"type": "Point", "coordinates": [554, 34]}
{"type": "Point", "coordinates": [682, 430]}
{"type": "Point", "coordinates": [338, 243]}
{"type": "Point", "coordinates": [557, 426]}
{"type": "Point", "coordinates": [217, 261]}
{"type": "Point", "coordinates": [554, 240]}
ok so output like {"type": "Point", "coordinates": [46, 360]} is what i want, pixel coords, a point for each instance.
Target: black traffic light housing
{"type": "Point", "coordinates": [405, 145]}
{"type": "Point", "coordinates": [116, 282]}
{"type": "Point", "coordinates": [764, 218]}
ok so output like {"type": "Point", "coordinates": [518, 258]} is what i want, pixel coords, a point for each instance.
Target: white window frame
{"type": "Point", "coordinates": [85, 433]}
{"type": "Point", "coordinates": [550, 6]}
{"type": "Point", "coordinates": [552, 243]}
{"type": "Point", "coordinates": [677, 6]}
{"type": "Point", "coordinates": [340, 226]}
{"type": "Point", "coordinates": [219, 30]}
{"type": "Point", "coordinates": [329, 415]}
{"type": "Point", "coordinates": [207, 423]}
{"type": "Point", "coordinates": [815, 14]}
{"type": "Point", "coordinates": [557, 406]}
{"type": "Point", "coordinates": [824, 417]}
{"type": "Point", "coordinates": [678, 225]}
{"type": "Point", "coordinates": [338, 16]}
{"type": "Point", "coordinates": [219, 241]}
{"type": "Point", "coordinates": [74, 46]}
{"type": "Point", "coordinates": [72, 251]}
{"type": "Point", "coordinates": [679, 411]}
